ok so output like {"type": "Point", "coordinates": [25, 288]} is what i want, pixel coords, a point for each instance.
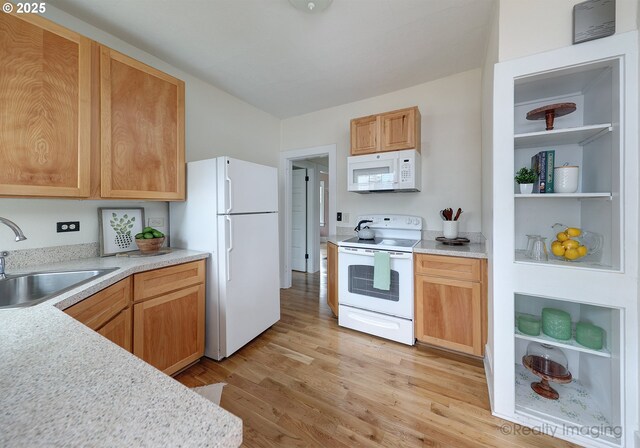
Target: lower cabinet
{"type": "Point", "coordinates": [332, 277]}
{"type": "Point", "coordinates": [108, 312]}
{"type": "Point", "coordinates": [166, 323]}
{"type": "Point", "coordinates": [168, 316]}
{"type": "Point", "coordinates": [169, 329]}
{"type": "Point", "coordinates": [118, 330]}
{"type": "Point", "coordinates": [450, 302]}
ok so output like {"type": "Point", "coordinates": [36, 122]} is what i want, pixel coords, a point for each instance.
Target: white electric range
{"type": "Point", "coordinates": [384, 313]}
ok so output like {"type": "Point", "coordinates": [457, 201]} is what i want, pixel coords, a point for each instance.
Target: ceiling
{"type": "Point", "coordinates": [288, 62]}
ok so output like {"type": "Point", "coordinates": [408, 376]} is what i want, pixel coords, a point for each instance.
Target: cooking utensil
{"type": "Point", "coordinates": [458, 213]}
{"type": "Point", "coordinates": [364, 233]}
{"type": "Point", "coordinates": [444, 218]}
{"type": "Point", "coordinates": [448, 214]}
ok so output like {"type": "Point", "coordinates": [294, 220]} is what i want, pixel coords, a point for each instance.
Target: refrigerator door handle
{"type": "Point", "coordinates": [229, 194]}
{"type": "Point", "coordinates": [229, 248]}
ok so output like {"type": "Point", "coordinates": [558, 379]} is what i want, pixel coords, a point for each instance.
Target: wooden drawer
{"type": "Point", "coordinates": [450, 267]}
{"type": "Point", "coordinates": [98, 309]}
{"type": "Point", "coordinates": [161, 281]}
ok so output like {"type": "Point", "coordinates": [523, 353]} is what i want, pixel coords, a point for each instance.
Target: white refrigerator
{"type": "Point", "coordinates": [231, 212]}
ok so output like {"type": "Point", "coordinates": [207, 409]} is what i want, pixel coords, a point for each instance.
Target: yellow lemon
{"type": "Point", "coordinates": [570, 244]}
{"type": "Point", "coordinates": [582, 251]}
{"type": "Point", "coordinates": [562, 236]}
{"type": "Point", "coordinates": [571, 254]}
{"type": "Point", "coordinates": [556, 243]}
{"type": "Point", "coordinates": [573, 231]}
{"type": "Point", "coordinates": [557, 250]}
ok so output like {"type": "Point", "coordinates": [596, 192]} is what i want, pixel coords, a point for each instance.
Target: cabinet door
{"type": "Point", "coordinates": [168, 331]}
{"type": "Point", "coordinates": [332, 277]}
{"type": "Point", "coordinates": [98, 309]}
{"type": "Point", "coordinates": [45, 105]}
{"type": "Point", "coordinates": [365, 135]}
{"type": "Point", "coordinates": [400, 130]}
{"type": "Point", "coordinates": [449, 313]}
{"type": "Point", "coordinates": [118, 329]}
{"type": "Point", "coordinates": [142, 130]}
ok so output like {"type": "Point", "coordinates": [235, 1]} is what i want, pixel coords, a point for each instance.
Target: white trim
{"type": "Point", "coordinates": [285, 166]}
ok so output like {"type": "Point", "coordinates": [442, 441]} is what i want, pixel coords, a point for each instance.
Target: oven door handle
{"type": "Point", "coordinates": [370, 253]}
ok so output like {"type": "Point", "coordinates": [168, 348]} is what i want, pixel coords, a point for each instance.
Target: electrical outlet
{"type": "Point", "coordinates": [345, 218]}
{"type": "Point", "coordinates": [68, 226]}
{"type": "Point", "coordinates": [155, 222]}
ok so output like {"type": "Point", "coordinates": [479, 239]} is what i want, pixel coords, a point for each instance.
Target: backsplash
{"type": "Point", "coordinates": [23, 258]}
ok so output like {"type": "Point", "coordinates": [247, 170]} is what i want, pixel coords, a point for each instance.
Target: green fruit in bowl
{"type": "Point", "coordinates": [149, 233]}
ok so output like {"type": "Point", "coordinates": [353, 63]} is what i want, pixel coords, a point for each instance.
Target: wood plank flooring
{"type": "Point", "coordinates": [306, 382]}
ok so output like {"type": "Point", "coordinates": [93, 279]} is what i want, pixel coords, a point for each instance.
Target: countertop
{"type": "Point", "coordinates": [430, 246]}
{"type": "Point", "coordinates": [62, 384]}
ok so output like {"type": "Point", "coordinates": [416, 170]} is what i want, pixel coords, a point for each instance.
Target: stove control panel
{"type": "Point", "coordinates": [403, 222]}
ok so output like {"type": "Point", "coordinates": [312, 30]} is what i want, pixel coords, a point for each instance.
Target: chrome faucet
{"type": "Point", "coordinates": [19, 237]}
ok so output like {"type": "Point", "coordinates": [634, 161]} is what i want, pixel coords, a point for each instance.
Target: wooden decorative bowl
{"type": "Point", "coordinates": [151, 245]}
{"type": "Point", "coordinates": [550, 112]}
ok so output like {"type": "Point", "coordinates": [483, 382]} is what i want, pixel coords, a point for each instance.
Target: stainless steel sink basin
{"type": "Point", "coordinates": [31, 289]}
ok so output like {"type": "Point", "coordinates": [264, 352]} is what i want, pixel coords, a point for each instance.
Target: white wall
{"type": "Point", "coordinates": [451, 122]}
{"type": "Point", "coordinates": [216, 124]}
{"type": "Point", "coordinates": [533, 26]}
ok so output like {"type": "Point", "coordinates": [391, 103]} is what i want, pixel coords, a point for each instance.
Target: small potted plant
{"type": "Point", "coordinates": [526, 177]}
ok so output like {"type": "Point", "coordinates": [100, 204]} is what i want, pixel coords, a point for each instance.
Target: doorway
{"type": "Point", "coordinates": [302, 218]}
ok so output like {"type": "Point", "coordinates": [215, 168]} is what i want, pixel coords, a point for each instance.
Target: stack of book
{"type": "Point", "coordinates": [543, 164]}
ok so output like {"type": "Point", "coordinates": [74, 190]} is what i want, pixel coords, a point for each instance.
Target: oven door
{"type": "Point", "coordinates": [355, 282]}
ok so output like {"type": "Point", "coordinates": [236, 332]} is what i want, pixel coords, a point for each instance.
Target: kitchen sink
{"type": "Point", "coordinates": [30, 289]}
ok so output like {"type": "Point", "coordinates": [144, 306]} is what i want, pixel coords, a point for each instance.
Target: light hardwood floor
{"type": "Point", "coordinates": [308, 382]}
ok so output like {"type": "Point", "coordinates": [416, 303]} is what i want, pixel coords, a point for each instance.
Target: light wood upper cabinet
{"type": "Point", "coordinates": [365, 133]}
{"type": "Point", "coordinates": [451, 303]}
{"type": "Point", "coordinates": [142, 130]}
{"type": "Point", "coordinates": [332, 277]}
{"type": "Point", "coordinates": [45, 108]}
{"type": "Point", "coordinates": [391, 131]}
{"type": "Point", "coordinates": [400, 130]}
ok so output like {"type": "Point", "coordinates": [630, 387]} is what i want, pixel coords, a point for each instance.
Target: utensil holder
{"type": "Point", "coordinates": [450, 229]}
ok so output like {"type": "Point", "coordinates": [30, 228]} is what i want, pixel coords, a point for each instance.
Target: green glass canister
{"type": "Point", "coordinates": [529, 325]}
{"type": "Point", "coordinates": [556, 323]}
{"type": "Point", "coordinates": [589, 335]}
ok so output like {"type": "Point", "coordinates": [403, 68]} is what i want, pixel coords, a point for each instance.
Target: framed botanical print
{"type": "Point", "coordinates": [118, 227]}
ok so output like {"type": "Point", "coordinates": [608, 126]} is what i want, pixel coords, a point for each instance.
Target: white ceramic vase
{"type": "Point", "coordinates": [526, 188]}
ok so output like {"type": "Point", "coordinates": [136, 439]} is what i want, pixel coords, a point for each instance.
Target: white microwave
{"type": "Point", "coordinates": [394, 171]}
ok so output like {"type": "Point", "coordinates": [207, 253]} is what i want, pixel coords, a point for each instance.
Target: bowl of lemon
{"type": "Point", "coordinates": [576, 244]}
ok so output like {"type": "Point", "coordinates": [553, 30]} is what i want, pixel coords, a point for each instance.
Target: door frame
{"type": "Point", "coordinates": [286, 165]}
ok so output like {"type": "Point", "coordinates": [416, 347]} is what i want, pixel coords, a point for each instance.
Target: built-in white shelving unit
{"type": "Point", "coordinates": [600, 405]}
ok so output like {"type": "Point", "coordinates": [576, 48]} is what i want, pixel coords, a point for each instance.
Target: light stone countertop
{"type": "Point", "coordinates": [471, 250]}
{"type": "Point", "coordinates": [430, 246]}
{"type": "Point", "coordinates": [64, 385]}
